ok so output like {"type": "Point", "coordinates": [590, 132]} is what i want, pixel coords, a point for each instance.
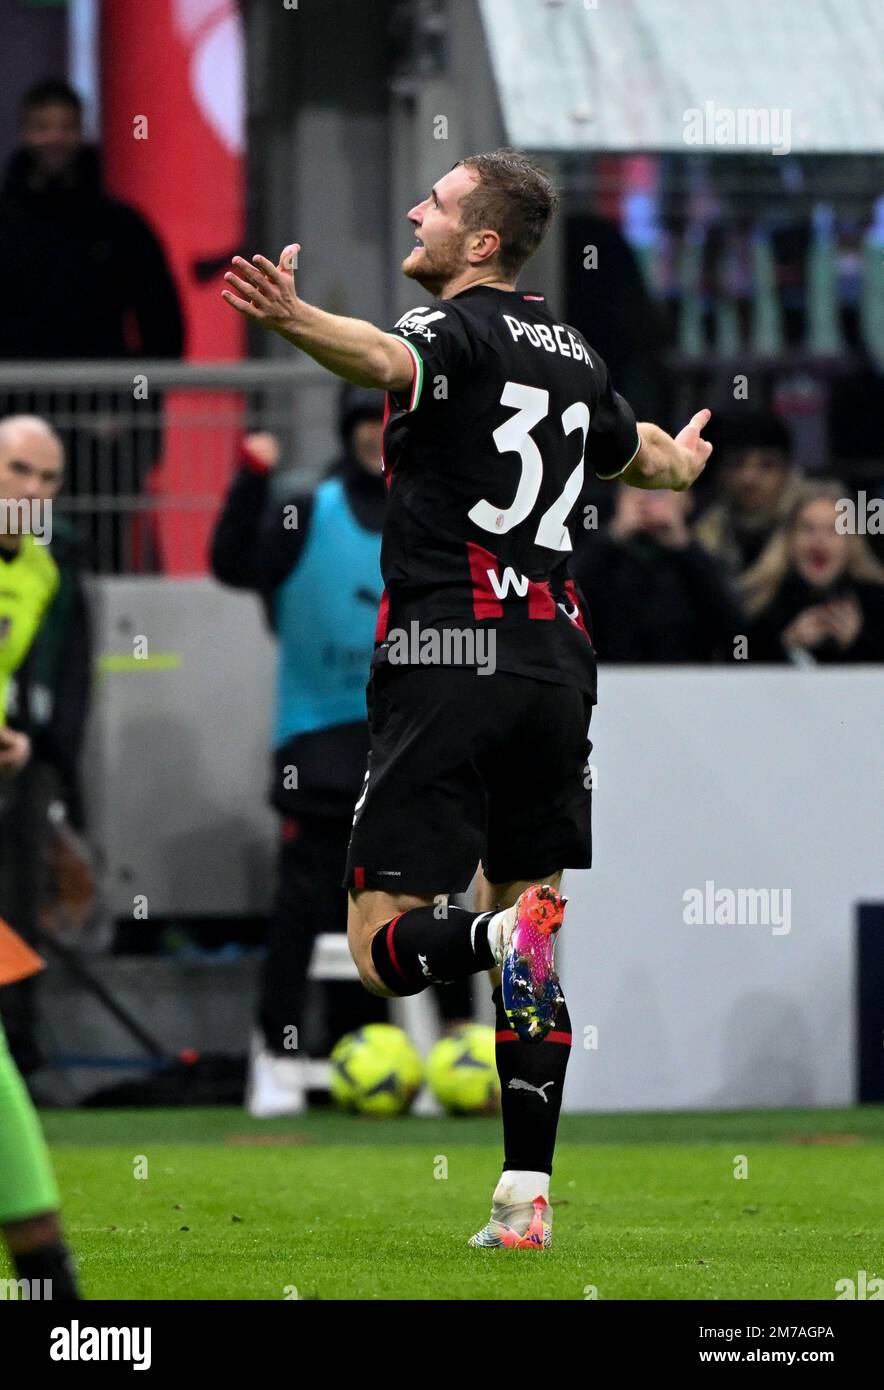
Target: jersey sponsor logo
{"type": "Point", "coordinates": [490, 587]}
{"type": "Point", "coordinates": [502, 583]}
{"type": "Point", "coordinates": [539, 597]}
{"type": "Point", "coordinates": [552, 337]}
{"type": "Point", "coordinates": [576, 614]}
{"type": "Point", "coordinates": [415, 324]}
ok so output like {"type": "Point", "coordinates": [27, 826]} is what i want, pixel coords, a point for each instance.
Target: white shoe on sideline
{"type": "Point", "coordinates": [276, 1085]}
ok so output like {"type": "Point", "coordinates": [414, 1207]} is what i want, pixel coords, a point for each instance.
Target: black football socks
{"type": "Point", "coordinates": [431, 945]}
{"type": "Point", "coordinates": [532, 1075]}
{"type": "Point", "coordinates": [53, 1265]}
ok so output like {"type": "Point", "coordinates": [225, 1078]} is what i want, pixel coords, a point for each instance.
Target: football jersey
{"type": "Point", "coordinates": [484, 459]}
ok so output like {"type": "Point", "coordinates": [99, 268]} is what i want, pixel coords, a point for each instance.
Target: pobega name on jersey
{"type": "Point", "coordinates": [540, 335]}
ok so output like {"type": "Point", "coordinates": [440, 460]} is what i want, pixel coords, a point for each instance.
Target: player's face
{"type": "Point", "coordinates": [818, 551]}
{"type": "Point", "coordinates": [441, 251]}
{"type": "Point", "coordinates": [366, 442]}
{"type": "Point", "coordinates": [30, 467]}
{"type": "Point", "coordinates": [755, 480]}
{"type": "Point", "coordinates": [53, 135]}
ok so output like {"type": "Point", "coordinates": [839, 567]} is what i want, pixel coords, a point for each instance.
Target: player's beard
{"type": "Point", "coordinates": [433, 270]}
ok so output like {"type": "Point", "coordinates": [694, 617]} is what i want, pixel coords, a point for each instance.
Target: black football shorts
{"type": "Point", "coordinates": [466, 768]}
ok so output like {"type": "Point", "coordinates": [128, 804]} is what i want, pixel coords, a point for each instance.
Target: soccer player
{"type": "Point", "coordinates": [483, 677]}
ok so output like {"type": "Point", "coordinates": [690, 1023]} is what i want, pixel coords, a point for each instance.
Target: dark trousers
{"type": "Point", "coordinates": [310, 901]}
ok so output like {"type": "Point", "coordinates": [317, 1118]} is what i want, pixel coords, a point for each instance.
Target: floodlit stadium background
{"type": "Point", "coordinates": [678, 132]}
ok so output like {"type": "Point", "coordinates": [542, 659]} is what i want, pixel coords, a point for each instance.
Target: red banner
{"type": "Point", "coordinates": [173, 100]}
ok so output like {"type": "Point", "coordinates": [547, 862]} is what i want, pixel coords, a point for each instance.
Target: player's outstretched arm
{"type": "Point", "coordinates": [664, 462]}
{"type": "Point", "coordinates": [351, 348]}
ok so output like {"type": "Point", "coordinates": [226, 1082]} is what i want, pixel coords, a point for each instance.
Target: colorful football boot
{"type": "Point", "coordinates": [530, 986]}
{"type": "Point", "coordinates": [525, 1226]}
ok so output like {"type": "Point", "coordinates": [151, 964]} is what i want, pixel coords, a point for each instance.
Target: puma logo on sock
{"type": "Point", "coordinates": [518, 1085]}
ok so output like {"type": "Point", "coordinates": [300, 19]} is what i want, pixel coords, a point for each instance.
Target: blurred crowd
{"type": "Point", "coordinates": [764, 564]}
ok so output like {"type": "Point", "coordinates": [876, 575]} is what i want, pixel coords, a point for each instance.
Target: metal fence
{"type": "Point", "coordinates": [150, 446]}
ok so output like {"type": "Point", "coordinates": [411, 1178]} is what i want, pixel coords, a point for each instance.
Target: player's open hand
{"type": "Point", "coordinates": [265, 293]}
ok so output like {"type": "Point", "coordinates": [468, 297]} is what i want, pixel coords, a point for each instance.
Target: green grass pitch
{"type": "Point", "coordinates": [646, 1206]}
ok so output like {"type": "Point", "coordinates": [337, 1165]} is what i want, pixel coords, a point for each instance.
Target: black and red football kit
{"type": "Point", "coordinates": [485, 459]}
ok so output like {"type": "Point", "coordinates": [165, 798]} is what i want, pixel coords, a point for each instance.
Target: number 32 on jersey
{"type": "Point", "coordinates": [531, 404]}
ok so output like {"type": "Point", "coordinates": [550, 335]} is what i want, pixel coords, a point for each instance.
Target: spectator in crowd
{"type": "Point", "coordinates": [85, 277]}
{"type": "Point", "coordinates": [654, 594]}
{"type": "Point", "coordinates": [49, 694]}
{"type": "Point", "coordinates": [31, 471]}
{"type": "Point", "coordinates": [45, 672]}
{"type": "Point", "coordinates": [816, 594]}
{"type": "Point", "coordinates": [315, 561]}
{"type": "Point", "coordinates": [758, 483]}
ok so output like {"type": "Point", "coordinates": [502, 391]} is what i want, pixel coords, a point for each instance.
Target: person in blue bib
{"type": "Point", "coordinates": [314, 559]}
